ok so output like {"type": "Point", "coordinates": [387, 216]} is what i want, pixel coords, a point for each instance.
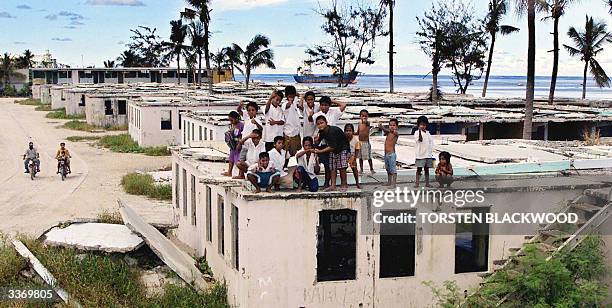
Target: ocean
{"type": "Point", "coordinates": [499, 86]}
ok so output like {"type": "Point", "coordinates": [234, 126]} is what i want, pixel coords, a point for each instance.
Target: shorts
{"type": "Point", "coordinates": [234, 156]}
{"type": "Point", "coordinates": [243, 154]}
{"type": "Point", "coordinates": [365, 152]}
{"type": "Point", "coordinates": [338, 160]}
{"type": "Point", "coordinates": [324, 157]}
{"type": "Point", "coordinates": [424, 162]}
{"type": "Point", "coordinates": [264, 179]}
{"type": "Point", "coordinates": [391, 163]}
{"type": "Point", "coordinates": [293, 144]}
{"type": "Point", "coordinates": [301, 177]}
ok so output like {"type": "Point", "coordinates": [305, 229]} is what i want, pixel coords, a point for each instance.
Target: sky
{"type": "Point", "coordinates": [88, 32]}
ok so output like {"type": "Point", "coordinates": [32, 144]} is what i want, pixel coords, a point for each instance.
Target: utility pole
{"type": "Point", "coordinates": [391, 4]}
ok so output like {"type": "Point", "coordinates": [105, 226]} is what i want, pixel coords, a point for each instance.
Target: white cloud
{"type": "Point", "coordinates": [227, 5]}
{"type": "Point", "coordinates": [116, 2]}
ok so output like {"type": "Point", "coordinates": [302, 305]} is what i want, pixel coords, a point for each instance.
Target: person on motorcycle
{"type": "Point", "coordinates": [64, 154]}
{"type": "Point", "coordinates": [31, 155]}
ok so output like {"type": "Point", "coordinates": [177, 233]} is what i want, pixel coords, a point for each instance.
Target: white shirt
{"type": "Point", "coordinates": [253, 151]}
{"type": "Point", "coordinates": [332, 116]}
{"type": "Point", "coordinates": [309, 164]}
{"type": "Point", "coordinates": [271, 131]}
{"type": "Point", "coordinates": [279, 160]}
{"type": "Point", "coordinates": [249, 126]}
{"type": "Point", "coordinates": [353, 143]}
{"type": "Point", "coordinates": [310, 128]}
{"type": "Point", "coordinates": [423, 149]}
{"type": "Point", "coordinates": [292, 120]}
{"type": "Point", "coordinates": [255, 167]}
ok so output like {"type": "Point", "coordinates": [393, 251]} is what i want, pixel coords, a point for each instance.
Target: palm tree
{"type": "Point", "coordinates": [230, 55]}
{"type": "Point", "coordinates": [529, 6]}
{"type": "Point", "coordinates": [129, 59]}
{"type": "Point", "coordinates": [109, 64]}
{"type": "Point", "coordinates": [26, 60]}
{"type": "Point", "coordinates": [497, 10]}
{"type": "Point", "coordinates": [587, 45]}
{"type": "Point", "coordinates": [203, 10]}
{"type": "Point", "coordinates": [176, 46]}
{"type": "Point", "coordinates": [198, 40]}
{"type": "Point", "coordinates": [255, 54]}
{"type": "Point", "coordinates": [390, 4]}
{"type": "Point", "coordinates": [219, 59]}
{"type": "Point", "coordinates": [556, 9]}
{"type": "Point", "coordinates": [7, 68]}
{"type": "Point", "coordinates": [610, 4]}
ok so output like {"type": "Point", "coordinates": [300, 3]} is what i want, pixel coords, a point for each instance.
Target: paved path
{"type": "Point", "coordinates": [33, 206]}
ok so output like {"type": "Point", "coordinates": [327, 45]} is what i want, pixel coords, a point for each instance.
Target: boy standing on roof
{"type": "Point", "coordinates": [292, 127]}
{"type": "Point", "coordinates": [308, 110]}
{"type": "Point", "coordinates": [275, 120]}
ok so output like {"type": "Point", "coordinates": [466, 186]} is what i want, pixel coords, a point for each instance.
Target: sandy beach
{"type": "Point", "coordinates": [31, 207]}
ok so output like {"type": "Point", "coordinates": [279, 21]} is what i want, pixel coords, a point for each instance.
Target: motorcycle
{"type": "Point", "coordinates": [63, 168]}
{"type": "Point", "coordinates": [33, 169]}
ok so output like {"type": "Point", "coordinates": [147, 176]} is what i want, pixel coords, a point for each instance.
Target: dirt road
{"type": "Point", "coordinates": [31, 207]}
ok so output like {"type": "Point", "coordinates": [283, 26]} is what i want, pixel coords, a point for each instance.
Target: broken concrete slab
{"type": "Point", "coordinates": [42, 271]}
{"type": "Point", "coordinates": [497, 153]}
{"type": "Point", "coordinates": [168, 252]}
{"type": "Point", "coordinates": [95, 236]}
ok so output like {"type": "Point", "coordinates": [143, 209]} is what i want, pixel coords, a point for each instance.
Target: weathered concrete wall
{"type": "Point", "coordinates": [278, 248]}
{"type": "Point", "coordinates": [198, 130]}
{"type": "Point", "coordinates": [45, 94]}
{"type": "Point", "coordinates": [73, 103]}
{"type": "Point", "coordinates": [36, 91]}
{"type": "Point", "coordinates": [95, 112]}
{"type": "Point", "coordinates": [57, 99]}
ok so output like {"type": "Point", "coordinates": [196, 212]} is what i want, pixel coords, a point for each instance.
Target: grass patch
{"type": "Point", "coordinates": [29, 102]}
{"type": "Point", "coordinates": [110, 217]}
{"type": "Point", "coordinates": [83, 126]}
{"type": "Point", "coordinates": [144, 185]}
{"type": "Point", "coordinates": [83, 138]}
{"type": "Point", "coordinates": [125, 144]}
{"type": "Point", "coordinates": [43, 108]}
{"type": "Point", "coordinates": [98, 280]}
{"type": "Point", "coordinates": [61, 114]}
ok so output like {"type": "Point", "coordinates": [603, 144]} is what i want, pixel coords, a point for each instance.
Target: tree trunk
{"type": "Point", "coordinates": [555, 70]}
{"type": "Point", "coordinates": [434, 86]}
{"type": "Point", "coordinates": [391, 52]}
{"type": "Point", "coordinates": [200, 68]}
{"type": "Point", "coordinates": [531, 54]}
{"type": "Point", "coordinates": [178, 67]}
{"type": "Point", "coordinates": [207, 52]}
{"type": "Point", "coordinates": [486, 81]}
{"type": "Point", "coordinates": [584, 79]}
{"type": "Point", "coordinates": [248, 77]}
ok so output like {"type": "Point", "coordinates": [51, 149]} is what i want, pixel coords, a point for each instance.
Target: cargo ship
{"type": "Point", "coordinates": [306, 76]}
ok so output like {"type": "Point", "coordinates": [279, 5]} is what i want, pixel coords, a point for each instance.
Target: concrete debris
{"type": "Point", "coordinates": [42, 271]}
{"type": "Point", "coordinates": [96, 237]}
{"type": "Point", "coordinates": [179, 261]}
{"type": "Point", "coordinates": [155, 279]}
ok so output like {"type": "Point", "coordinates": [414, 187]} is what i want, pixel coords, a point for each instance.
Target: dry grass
{"type": "Point", "coordinates": [591, 138]}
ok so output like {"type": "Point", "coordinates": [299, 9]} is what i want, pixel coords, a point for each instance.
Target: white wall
{"type": "Point", "coordinates": [57, 100]}
{"type": "Point", "coordinates": [95, 111]}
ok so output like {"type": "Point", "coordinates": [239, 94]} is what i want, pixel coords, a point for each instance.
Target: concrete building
{"type": "Point", "coordinates": [289, 249]}
{"type": "Point", "coordinates": [122, 75]}
{"type": "Point", "coordinates": [107, 109]}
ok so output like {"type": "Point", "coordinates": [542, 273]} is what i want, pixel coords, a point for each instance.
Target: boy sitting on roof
{"type": "Point", "coordinates": [263, 174]}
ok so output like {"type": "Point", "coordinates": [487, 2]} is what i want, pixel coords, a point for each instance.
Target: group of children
{"type": "Point", "coordinates": [287, 147]}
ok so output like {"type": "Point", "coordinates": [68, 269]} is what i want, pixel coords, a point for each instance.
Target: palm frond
{"type": "Point", "coordinates": [572, 51]}
{"type": "Point", "coordinates": [600, 76]}
{"type": "Point", "coordinates": [505, 29]}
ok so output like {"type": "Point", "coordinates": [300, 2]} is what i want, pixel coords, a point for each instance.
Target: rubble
{"type": "Point", "coordinates": [94, 236]}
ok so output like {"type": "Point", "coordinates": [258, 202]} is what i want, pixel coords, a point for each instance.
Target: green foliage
{"type": "Point", "coordinates": [572, 279]}
{"type": "Point", "coordinates": [83, 126]}
{"type": "Point", "coordinates": [43, 108]}
{"type": "Point", "coordinates": [10, 91]}
{"type": "Point", "coordinates": [203, 266]}
{"type": "Point", "coordinates": [61, 114]}
{"type": "Point", "coordinates": [29, 102]}
{"type": "Point", "coordinates": [179, 297]}
{"type": "Point", "coordinates": [143, 184]}
{"type": "Point", "coordinates": [10, 263]}
{"type": "Point", "coordinates": [447, 296]}
{"type": "Point", "coordinates": [125, 144]}
{"type": "Point", "coordinates": [110, 217]}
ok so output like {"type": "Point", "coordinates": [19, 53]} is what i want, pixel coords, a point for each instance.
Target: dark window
{"type": "Point", "coordinates": [82, 101]}
{"type": "Point", "coordinates": [180, 118]}
{"type": "Point", "coordinates": [211, 134]}
{"type": "Point", "coordinates": [221, 224]}
{"type": "Point", "coordinates": [108, 107]}
{"type": "Point", "coordinates": [205, 133]}
{"type": "Point", "coordinates": [166, 119]}
{"type": "Point", "coordinates": [200, 131]}
{"type": "Point", "coordinates": [121, 106]}
{"type": "Point", "coordinates": [397, 247]}
{"type": "Point", "coordinates": [235, 230]}
{"type": "Point", "coordinates": [472, 245]}
{"type": "Point", "coordinates": [208, 214]}
{"type": "Point", "coordinates": [192, 131]}
{"type": "Point", "coordinates": [143, 75]}
{"type": "Point", "coordinates": [193, 200]}
{"type": "Point", "coordinates": [336, 245]}
{"type": "Point", "coordinates": [184, 192]}
{"type": "Point", "coordinates": [130, 74]}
